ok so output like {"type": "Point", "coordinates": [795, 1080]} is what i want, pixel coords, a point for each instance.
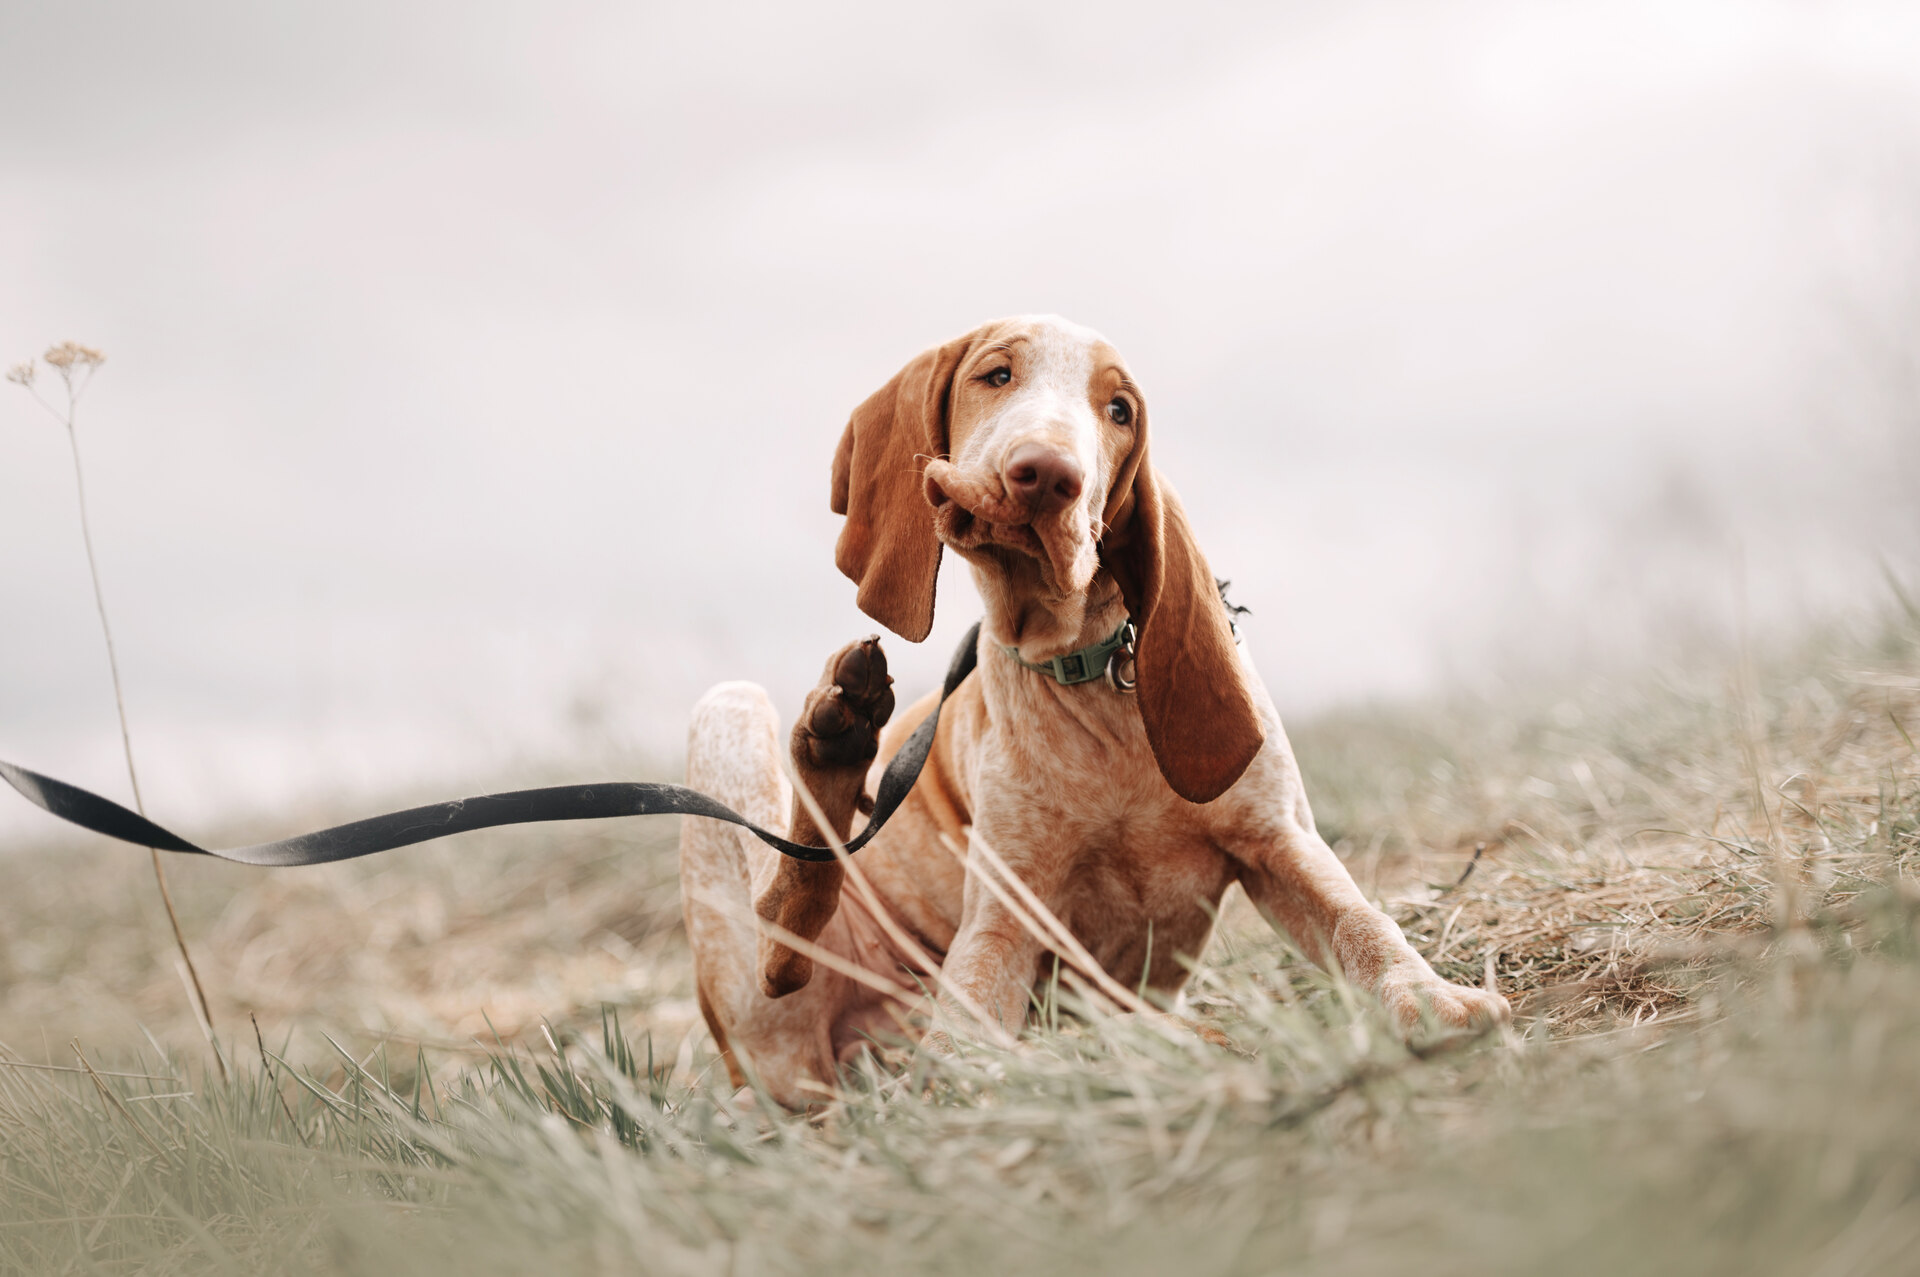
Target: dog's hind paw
{"type": "Point", "coordinates": [840, 724]}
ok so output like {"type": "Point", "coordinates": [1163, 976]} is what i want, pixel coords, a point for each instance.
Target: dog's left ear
{"type": "Point", "coordinates": [1200, 717]}
{"type": "Point", "coordinates": [887, 546]}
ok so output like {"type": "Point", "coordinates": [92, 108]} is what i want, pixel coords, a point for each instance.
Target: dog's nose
{"type": "Point", "coordinates": [1046, 479]}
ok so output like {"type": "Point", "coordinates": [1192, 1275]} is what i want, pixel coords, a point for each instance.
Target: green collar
{"type": "Point", "coordinates": [1085, 665]}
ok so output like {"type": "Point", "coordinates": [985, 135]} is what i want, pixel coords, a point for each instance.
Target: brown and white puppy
{"type": "Point", "coordinates": [1023, 446]}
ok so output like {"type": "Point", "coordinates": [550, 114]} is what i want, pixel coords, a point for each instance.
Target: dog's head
{"type": "Point", "coordinates": [1023, 445]}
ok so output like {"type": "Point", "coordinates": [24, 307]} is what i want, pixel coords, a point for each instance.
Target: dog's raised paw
{"type": "Point", "coordinates": [841, 721]}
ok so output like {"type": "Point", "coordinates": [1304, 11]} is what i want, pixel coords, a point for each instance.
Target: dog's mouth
{"type": "Point", "coordinates": [976, 518]}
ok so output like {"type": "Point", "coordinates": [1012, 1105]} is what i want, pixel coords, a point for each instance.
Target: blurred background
{"type": "Point", "coordinates": [473, 370]}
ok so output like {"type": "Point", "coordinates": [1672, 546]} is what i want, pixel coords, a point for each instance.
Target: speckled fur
{"type": "Point", "coordinates": [1059, 780]}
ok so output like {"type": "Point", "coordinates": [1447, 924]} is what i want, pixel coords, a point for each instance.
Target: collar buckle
{"type": "Point", "coordinates": [1120, 667]}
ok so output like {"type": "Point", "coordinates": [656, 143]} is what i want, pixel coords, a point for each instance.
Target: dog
{"type": "Point", "coordinates": [1126, 804]}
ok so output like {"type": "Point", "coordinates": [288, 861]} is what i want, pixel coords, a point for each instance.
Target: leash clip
{"type": "Point", "coordinates": [1121, 675]}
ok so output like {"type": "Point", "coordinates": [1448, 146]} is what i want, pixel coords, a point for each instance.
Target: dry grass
{"type": "Point", "coordinates": [1700, 896]}
{"type": "Point", "coordinates": [422, 946]}
{"type": "Point", "coordinates": [1597, 850]}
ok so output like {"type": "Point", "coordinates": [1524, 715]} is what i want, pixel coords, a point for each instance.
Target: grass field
{"type": "Point", "coordinates": [484, 1057]}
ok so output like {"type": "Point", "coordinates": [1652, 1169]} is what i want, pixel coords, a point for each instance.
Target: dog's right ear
{"type": "Point", "coordinates": [887, 547]}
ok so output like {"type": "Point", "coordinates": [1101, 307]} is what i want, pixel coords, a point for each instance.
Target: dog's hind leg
{"type": "Point", "coordinates": [833, 743]}
{"type": "Point", "coordinates": [732, 754]}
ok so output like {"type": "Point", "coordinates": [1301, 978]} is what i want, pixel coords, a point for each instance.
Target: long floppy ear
{"type": "Point", "coordinates": [887, 546]}
{"type": "Point", "coordinates": [1200, 717]}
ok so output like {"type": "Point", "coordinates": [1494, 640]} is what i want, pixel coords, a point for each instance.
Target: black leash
{"type": "Point", "coordinates": [521, 807]}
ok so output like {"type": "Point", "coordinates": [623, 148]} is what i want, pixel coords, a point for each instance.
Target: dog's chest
{"type": "Point", "coordinates": [1144, 901]}
{"type": "Point", "coordinates": [1128, 865]}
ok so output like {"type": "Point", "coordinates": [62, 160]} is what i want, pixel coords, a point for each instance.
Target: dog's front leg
{"type": "Point", "coordinates": [1291, 874]}
{"type": "Point", "coordinates": [995, 957]}
{"type": "Point", "coordinates": [833, 742]}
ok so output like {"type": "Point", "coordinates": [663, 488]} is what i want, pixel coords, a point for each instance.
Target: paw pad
{"type": "Point", "coordinates": [840, 724]}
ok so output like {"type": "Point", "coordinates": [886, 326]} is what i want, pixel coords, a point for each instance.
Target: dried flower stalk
{"type": "Point", "coordinates": [76, 365]}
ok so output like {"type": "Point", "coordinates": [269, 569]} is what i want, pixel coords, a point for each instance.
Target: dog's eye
{"type": "Point", "coordinates": [998, 377]}
{"type": "Point", "coordinates": [1121, 412]}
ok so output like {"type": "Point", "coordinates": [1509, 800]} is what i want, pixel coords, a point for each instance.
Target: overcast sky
{"type": "Point", "coordinates": [473, 370]}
